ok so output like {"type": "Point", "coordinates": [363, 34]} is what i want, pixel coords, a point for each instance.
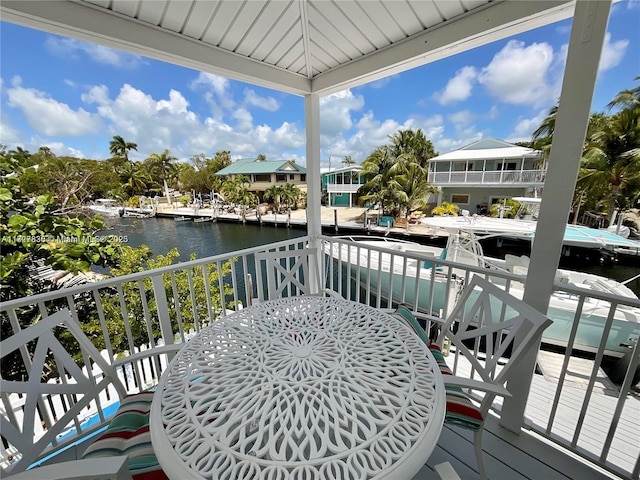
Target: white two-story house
{"type": "Point", "coordinates": [479, 174]}
{"type": "Point", "coordinates": [340, 186]}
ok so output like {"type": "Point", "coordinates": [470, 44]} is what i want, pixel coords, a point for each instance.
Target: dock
{"type": "Point", "coordinates": [335, 220]}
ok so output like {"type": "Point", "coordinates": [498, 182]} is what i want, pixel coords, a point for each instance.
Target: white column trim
{"type": "Point", "coordinates": [312, 126]}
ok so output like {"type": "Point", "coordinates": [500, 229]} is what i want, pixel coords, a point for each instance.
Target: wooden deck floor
{"type": "Point", "coordinates": [530, 456]}
{"type": "Point", "coordinates": [507, 457]}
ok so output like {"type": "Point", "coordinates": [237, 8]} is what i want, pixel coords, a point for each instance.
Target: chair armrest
{"type": "Point", "coordinates": [462, 382]}
{"type": "Point", "coordinates": [332, 293]}
{"type": "Point", "coordinates": [102, 468]}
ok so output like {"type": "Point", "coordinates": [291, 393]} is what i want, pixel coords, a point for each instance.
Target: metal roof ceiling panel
{"type": "Point", "coordinates": [152, 13]}
{"type": "Point", "coordinates": [297, 46]}
{"type": "Point", "coordinates": [176, 14]}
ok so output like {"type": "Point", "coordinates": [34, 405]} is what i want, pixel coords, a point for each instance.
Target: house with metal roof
{"type": "Point", "coordinates": [264, 174]}
{"type": "Point", "coordinates": [340, 186]}
{"type": "Point", "coordinates": [481, 173]}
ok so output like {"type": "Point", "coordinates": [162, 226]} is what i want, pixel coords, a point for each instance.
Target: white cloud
{"type": "Point", "coordinates": [335, 111]}
{"type": "Point", "coordinates": [9, 136]}
{"type": "Point", "coordinates": [459, 87]}
{"type": "Point", "coordinates": [383, 82]}
{"type": "Point", "coordinates": [255, 100]}
{"type": "Point", "coordinates": [156, 124]}
{"type": "Point", "coordinates": [218, 84]}
{"type": "Point", "coordinates": [612, 53]}
{"type": "Point", "coordinates": [77, 50]}
{"type": "Point", "coordinates": [48, 116]}
{"type": "Point", "coordinates": [463, 117]}
{"type": "Point", "coordinates": [525, 127]}
{"type": "Point", "coordinates": [519, 74]}
{"type": "Point", "coordinates": [218, 94]}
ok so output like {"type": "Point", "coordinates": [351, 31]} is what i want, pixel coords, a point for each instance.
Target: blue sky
{"type": "Point", "coordinates": [74, 97]}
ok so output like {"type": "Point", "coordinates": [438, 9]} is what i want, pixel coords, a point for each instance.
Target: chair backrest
{"type": "Point", "coordinates": [40, 416]}
{"type": "Point", "coordinates": [287, 273]}
{"type": "Point", "coordinates": [492, 330]}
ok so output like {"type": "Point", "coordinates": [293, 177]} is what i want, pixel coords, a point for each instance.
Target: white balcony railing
{"type": "Point", "coordinates": [343, 188]}
{"type": "Point", "coordinates": [514, 177]}
{"type": "Point", "coordinates": [167, 305]}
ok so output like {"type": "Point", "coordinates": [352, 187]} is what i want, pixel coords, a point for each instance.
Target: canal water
{"type": "Point", "coordinates": [207, 239]}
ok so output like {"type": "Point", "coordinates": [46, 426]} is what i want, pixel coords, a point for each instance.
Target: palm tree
{"type": "Point", "coordinates": [378, 171]}
{"type": "Point", "coordinates": [290, 195]}
{"type": "Point", "coordinates": [347, 160]}
{"type": "Point", "coordinates": [275, 193]}
{"type": "Point", "coordinates": [135, 179]}
{"type": "Point", "coordinates": [237, 191]}
{"type": "Point", "coordinates": [161, 164]}
{"type": "Point", "coordinates": [611, 158]}
{"type": "Point", "coordinates": [413, 145]}
{"type": "Point", "coordinates": [118, 147]}
{"type": "Point", "coordinates": [411, 188]}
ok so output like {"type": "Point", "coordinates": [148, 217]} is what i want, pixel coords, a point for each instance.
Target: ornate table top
{"type": "Point", "coordinates": [303, 388]}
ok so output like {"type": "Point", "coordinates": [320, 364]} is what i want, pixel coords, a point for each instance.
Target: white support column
{"type": "Point", "coordinates": [585, 46]}
{"type": "Point", "coordinates": [312, 126]}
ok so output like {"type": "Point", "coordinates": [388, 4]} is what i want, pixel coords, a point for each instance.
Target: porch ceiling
{"type": "Point", "coordinates": [296, 46]}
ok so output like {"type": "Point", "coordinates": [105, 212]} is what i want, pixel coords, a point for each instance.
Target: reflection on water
{"type": "Point", "coordinates": [204, 239]}
{"type": "Point", "coordinates": [207, 238]}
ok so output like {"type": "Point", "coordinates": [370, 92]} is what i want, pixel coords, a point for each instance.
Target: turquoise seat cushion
{"type": "Point", "coordinates": [403, 314]}
{"type": "Point", "coordinates": [128, 434]}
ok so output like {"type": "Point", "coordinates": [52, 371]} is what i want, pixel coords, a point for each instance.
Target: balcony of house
{"type": "Point", "coordinates": [577, 422]}
{"type": "Point", "coordinates": [343, 187]}
{"type": "Point", "coordinates": [496, 177]}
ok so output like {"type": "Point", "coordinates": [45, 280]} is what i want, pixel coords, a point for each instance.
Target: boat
{"type": "Point", "coordinates": [373, 263]}
{"type": "Point", "coordinates": [181, 219]}
{"type": "Point", "coordinates": [203, 219]}
{"type": "Point", "coordinates": [107, 207]}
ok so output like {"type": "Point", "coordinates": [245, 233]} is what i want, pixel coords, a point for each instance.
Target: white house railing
{"type": "Point", "coordinates": [164, 305]}
{"type": "Point", "coordinates": [524, 177]}
{"type": "Point", "coordinates": [343, 187]}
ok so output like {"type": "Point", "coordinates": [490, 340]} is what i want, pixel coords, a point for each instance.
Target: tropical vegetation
{"type": "Point", "coordinates": [609, 176]}
{"type": "Point", "coordinates": [396, 174]}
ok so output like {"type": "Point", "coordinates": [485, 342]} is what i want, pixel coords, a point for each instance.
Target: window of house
{"type": "Point", "coordinates": [507, 166]}
{"type": "Point", "coordinates": [281, 177]}
{"type": "Point", "coordinates": [292, 176]}
{"type": "Point", "coordinates": [460, 199]}
{"type": "Point", "coordinates": [459, 166]}
{"type": "Point", "coordinates": [262, 178]}
{"type": "Point", "coordinates": [303, 177]}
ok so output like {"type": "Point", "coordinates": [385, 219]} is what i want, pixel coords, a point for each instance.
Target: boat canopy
{"type": "Point", "coordinates": [575, 235]}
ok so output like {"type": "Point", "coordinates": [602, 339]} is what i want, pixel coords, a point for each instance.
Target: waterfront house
{"type": "Point", "coordinates": [264, 174]}
{"type": "Point", "coordinates": [315, 48]}
{"type": "Point", "coordinates": [340, 186]}
{"type": "Point", "coordinates": [481, 173]}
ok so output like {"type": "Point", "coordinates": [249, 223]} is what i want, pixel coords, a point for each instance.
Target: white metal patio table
{"type": "Point", "coordinates": [304, 388]}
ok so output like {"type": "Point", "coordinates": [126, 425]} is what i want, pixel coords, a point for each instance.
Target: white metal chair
{"type": "Point", "coordinates": [288, 273]}
{"type": "Point", "coordinates": [40, 418]}
{"type": "Point", "coordinates": [482, 328]}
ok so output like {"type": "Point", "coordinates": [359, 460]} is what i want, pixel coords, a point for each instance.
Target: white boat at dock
{"type": "Point", "coordinates": [386, 266]}
{"type": "Point", "coordinates": [107, 207]}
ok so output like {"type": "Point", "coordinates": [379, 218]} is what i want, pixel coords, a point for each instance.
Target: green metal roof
{"type": "Point", "coordinates": [251, 166]}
